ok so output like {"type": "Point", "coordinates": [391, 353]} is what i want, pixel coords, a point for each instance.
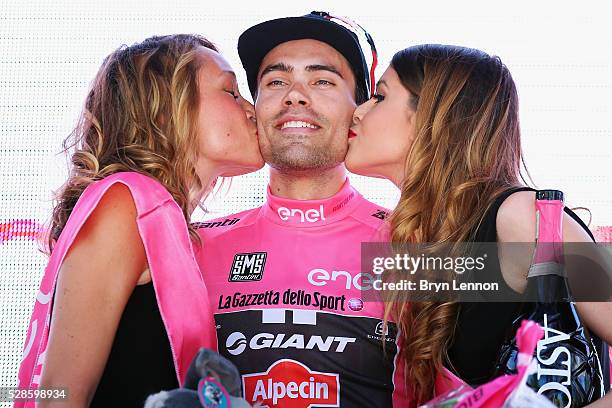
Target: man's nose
{"type": "Point", "coordinates": [297, 95]}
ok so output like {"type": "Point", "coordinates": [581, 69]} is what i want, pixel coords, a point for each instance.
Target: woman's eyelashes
{"type": "Point", "coordinates": [234, 94]}
{"type": "Point", "coordinates": [378, 97]}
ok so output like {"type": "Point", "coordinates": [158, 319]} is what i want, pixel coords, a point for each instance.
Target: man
{"type": "Point", "coordinates": [284, 279]}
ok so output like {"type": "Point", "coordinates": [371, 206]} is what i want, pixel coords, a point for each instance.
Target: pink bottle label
{"type": "Point", "coordinates": [549, 216]}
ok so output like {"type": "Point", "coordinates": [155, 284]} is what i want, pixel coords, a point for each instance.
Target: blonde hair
{"type": "Point", "coordinates": [139, 116]}
{"type": "Point", "coordinates": [466, 152]}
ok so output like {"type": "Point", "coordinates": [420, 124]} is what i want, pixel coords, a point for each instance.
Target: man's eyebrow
{"type": "Point", "coordinates": [281, 66]}
{"type": "Point", "coordinates": [322, 67]}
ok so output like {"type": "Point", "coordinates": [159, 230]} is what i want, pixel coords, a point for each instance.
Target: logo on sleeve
{"type": "Point", "coordinates": [225, 223]}
{"type": "Point", "coordinates": [248, 267]}
{"type": "Point", "coordinates": [291, 384]}
{"type": "Point", "coordinates": [380, 214]}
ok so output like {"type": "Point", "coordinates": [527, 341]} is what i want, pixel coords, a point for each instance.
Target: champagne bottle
{"type": "Point", "coordinates": [568, 370]}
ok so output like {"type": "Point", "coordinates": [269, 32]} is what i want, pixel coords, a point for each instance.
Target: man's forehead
{"type": "Point", "coordinates": [299, 54]}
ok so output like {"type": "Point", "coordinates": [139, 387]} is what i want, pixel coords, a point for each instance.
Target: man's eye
{"type": "Point", "coordinates": [323, 82]}
{"type": "Point", "coordinates": [378, 97]}
{"type": "Point", "coordinates": [276, 82]}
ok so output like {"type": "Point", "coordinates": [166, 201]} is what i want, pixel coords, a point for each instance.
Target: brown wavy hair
{"type": "Point", "coordinates": [139, 116]}
{"type": "Point", "coordinates": [466, 152]}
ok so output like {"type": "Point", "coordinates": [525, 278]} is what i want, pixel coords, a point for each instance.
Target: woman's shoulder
{"type": "Point", "coordinates": [146, 191]}
{"type": "Point", "coordinates": [133, 180]}
{"type": "Point", "coordinates": [516, 220]}
{"type": "Point", "coordinates": [516, 217]}
{"type": "Point", "coordinates": [116, 199]}
{"type": "Point", "coordinates": [113, 212]}
{"type": "Point", "coordinates": [106, 234]}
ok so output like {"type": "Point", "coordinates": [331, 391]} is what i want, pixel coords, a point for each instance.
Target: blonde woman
{"type": "Point", "coordinates": [444, 128]}
{"type": "Point", "coordinates": [122, 308]}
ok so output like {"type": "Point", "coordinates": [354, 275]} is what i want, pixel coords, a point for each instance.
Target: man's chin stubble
{"type": "Point", "coordinates": [300, 159]}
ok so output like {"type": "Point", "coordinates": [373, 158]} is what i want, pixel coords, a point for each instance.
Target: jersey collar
{"type": "Point", "coordinates": [310, 213]}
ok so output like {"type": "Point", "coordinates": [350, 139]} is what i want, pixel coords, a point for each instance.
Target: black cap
{"type": "Point", "coordinates": [259, 40]}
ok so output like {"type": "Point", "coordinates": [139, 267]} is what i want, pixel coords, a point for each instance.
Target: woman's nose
{"type": "Point", "coordinates": [361, 110]}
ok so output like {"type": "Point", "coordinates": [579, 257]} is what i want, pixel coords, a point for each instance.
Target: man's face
{"type": "Point", "coordinates": [304, 106]}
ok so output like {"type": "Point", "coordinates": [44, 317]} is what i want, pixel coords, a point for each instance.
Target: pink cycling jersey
{"type": "Point", "coordinates": [285, 285]}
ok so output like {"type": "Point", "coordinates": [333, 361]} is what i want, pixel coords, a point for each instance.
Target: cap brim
{"type": "Point", "coordinates": [256, 42]}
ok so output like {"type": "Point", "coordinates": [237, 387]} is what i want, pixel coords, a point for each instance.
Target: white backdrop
{"type": "Point", "coordinates": [560, 56]}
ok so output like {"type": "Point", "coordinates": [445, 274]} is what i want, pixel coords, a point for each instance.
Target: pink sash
{"type": "Point", "coordinates": [181, 294]}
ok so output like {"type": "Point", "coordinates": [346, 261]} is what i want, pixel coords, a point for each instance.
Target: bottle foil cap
{"type": "Point", "coordinates": [551, 195]}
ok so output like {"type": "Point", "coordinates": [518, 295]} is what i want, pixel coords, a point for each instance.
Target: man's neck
{"type": "Point", "coordinates": [308, 186]}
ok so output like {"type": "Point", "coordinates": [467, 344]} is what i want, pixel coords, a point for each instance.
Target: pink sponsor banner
{"type": "Point", "coordinates": [20, 229]}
